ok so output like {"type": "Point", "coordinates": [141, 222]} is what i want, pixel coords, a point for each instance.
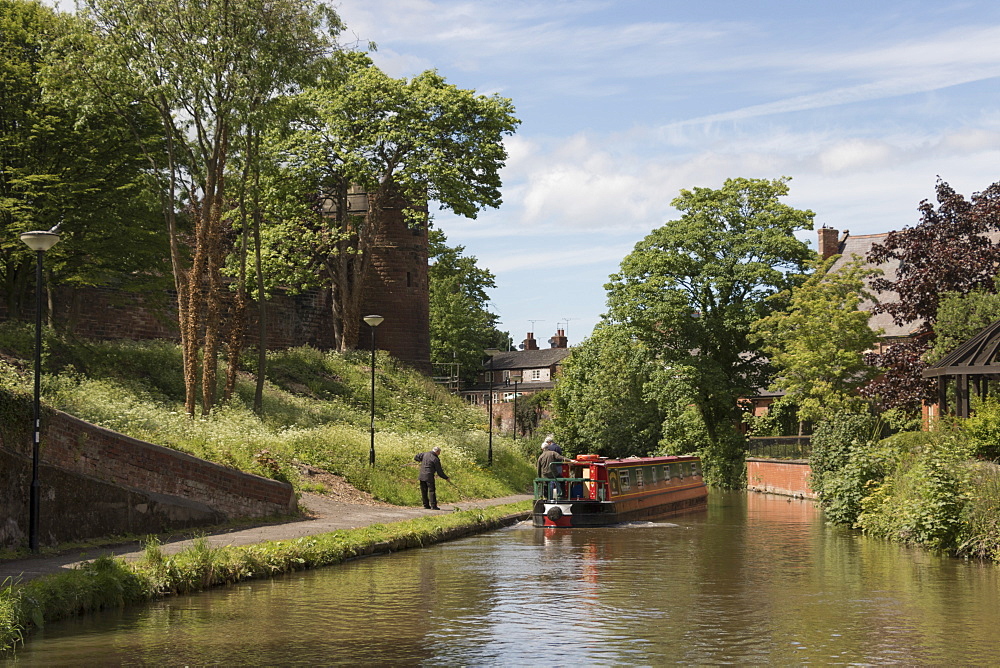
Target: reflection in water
{"type": "Point", "coordinates": [753, 579]}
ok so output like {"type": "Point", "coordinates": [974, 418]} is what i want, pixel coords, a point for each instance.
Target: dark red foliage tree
{"type": "Point", "coordinates": [952, 249]}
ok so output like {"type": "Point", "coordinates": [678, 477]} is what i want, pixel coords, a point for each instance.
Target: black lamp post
{"type": "Point", "coordinates": [38, 242]}
{"type": "Point", "coordinates": [489, 451]}
{"type": "Point", "coordinates": [515, 378]}
{"type": "Point", "coordinates": [373, 321]}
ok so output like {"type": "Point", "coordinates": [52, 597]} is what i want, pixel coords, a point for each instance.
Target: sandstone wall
{"type": "Point", "coordinates": [95, 482]}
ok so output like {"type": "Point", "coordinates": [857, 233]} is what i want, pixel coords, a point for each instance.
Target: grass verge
{"type": "Point", "coordinates": [112, 582]}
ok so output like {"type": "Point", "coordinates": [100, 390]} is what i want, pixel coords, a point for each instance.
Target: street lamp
{"type": "Point", "coordinates": [373, 321]}
{"type": "Point", "coordinates": [489, 452]}
{"type": "Point", "coordinates": [515, 377]}
{"type": "Point", "coordinates": [38, 242]}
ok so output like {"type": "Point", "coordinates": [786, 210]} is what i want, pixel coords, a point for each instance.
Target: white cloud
{"type": "Point", "coordinates": [855, 154]}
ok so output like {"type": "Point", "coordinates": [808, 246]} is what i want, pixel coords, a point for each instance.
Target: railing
{"type": "Point", "coordinates": [569, 489]}
{"type": "Point", "coordinates": [779, 447]}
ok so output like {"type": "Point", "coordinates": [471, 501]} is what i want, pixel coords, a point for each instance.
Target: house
{"type": "Point", "coordinates": [831, 243]}
{"type": "Point", "coordinates": [519, 372]}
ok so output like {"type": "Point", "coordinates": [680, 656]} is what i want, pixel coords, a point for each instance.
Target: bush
{"type": "Point", "coordinates": [922, 500]}
{"type": "Point", "coordinates": [781, 419]}
{"type": "Point", "coordinates": [832, 445]}
{"type": "Point", "coordinates": [980, 531]}
{"type": "Point", "coordinates": [983, 428]}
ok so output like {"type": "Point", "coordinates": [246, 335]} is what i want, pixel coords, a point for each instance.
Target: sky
{"type": "Point", "coordinates": [623, 103]}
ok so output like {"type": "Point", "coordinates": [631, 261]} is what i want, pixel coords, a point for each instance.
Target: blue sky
{"type": "Point", "coordinates": [623, 103]}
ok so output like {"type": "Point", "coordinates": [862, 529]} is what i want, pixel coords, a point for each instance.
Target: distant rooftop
{"type": "Point", "coordinates": [848, 246]}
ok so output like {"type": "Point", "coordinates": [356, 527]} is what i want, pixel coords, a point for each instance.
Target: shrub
{"type": "Point", "coordinates": [922, 500]}
{"type": "Point", "coordinates": [980, 531]}
{"type": "Point", "coordinates": [832, 443]}
{"type": "Point", "coordinates": [983, 428]}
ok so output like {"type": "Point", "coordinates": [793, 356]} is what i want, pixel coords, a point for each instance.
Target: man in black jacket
{"type": "Point", "coordinates": [430, 464]}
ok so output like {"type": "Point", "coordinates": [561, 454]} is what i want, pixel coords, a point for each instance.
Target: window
{"type": "Point", "coordinates": [640, 478]}
{"type": "Point", "coordinates": [652, 474]}
{"type": "Point", "coordinates": [536, 374]}
{"type": "Point", "coordinates": [624, 480]}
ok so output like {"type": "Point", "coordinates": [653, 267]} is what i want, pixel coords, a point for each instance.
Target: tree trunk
{"type": "Point", "coordinates": [258, 395]}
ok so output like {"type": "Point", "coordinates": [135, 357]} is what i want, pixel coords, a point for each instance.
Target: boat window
{"type": "Point", "coordinates": [666, 472]}
{"type": "Point", "coordinates": [680, 471]}
{"type": "Point", "coordinates": [652, 474]}
{"type": "Point", "coordinates": [624, 480]}
{"type": "Point", "coordinates": [640, 477]}
{"type": "Point", "coordinates": [694, 468]}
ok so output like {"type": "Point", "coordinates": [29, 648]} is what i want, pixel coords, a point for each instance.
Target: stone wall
{"type": "Point", "coordinates": [95, 483]}
{"type": "Point", "coordinates": [788, 477]}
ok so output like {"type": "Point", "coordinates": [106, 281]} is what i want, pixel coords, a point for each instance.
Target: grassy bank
{"type": "Point", "coordinates": [315, 412]}
{"type": "Point", "coordinates": [109, 582]}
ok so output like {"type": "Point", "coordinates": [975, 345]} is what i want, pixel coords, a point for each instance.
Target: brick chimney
{"type": "Point", "coordinates": [559, 340]}
{"type": "Point", "coordinates": [529, 343]}
{"type": "Point", "coordinates": [829, 245]}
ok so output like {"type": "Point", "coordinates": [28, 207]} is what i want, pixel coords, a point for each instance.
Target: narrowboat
{"type": "Point", "coordinates": [596, 491]}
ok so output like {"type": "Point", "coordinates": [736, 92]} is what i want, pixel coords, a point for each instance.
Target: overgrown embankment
{"type": "Point", "coordinates": [938, 489]}
{"type": "Point", "coordinates": [315, 413]}
{"type": "Point", "coordinates": [109, 582]}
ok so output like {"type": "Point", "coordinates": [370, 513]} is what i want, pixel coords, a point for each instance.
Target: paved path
{"type": "Point", "coordinates": [328, 516]}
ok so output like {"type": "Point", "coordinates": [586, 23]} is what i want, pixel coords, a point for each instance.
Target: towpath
{"type": "Point", "coordinates": [325, 515]}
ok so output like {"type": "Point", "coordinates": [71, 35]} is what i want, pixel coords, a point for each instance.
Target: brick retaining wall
{"type": "Point", "coordinates": [96, 483]}
{"type": "Point", "coordinates": [788, 477]}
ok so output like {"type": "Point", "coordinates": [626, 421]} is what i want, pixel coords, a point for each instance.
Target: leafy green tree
{"type": "Point", "coordinates": [959, 318]}
{"type": "Point", "coordinates": [205, 69]}
{"type": "Point", "coordinates": [404, 143]}
{"type": "Point", "coordinates": [818, 341]}
{"type": "Point", "coordinates": [62, 161]}
{"type": "Point", "coordinates": [683, 429]}
{"type": "Point", "coordinates": [692, 288]}
{"type": "Point", "coordinates": [600, 403]}
{"type": "Point", "coordinates": [461, 325]}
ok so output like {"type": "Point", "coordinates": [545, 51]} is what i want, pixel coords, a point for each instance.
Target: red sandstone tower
{"type": "Point", "coordinates": [398, 289]}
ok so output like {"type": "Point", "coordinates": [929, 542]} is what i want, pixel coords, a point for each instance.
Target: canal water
{"type": "Point", "coordinates": [754, 579]}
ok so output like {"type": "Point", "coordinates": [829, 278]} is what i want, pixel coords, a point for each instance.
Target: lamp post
{"type": "Point", "coordinates": [38, 242]}
{"type": "Point", "coordinates": [515, 377]}
{"type": "Point", "coordinates": [373, 321]}
{"type": "Point", "coordinates": [489, 451]}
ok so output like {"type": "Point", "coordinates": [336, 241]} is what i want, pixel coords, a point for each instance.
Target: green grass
{"type": "Point", "coordinates": [315, 412]}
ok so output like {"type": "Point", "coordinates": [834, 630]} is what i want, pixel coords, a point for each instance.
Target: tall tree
{"type": "Point", "coordinates": [600, 404]}
{"type": "Point", "coordinates": [948, 251]}
{"type": "Point", "coordinates": [461, 324]}
{"type": "Point", "coordinates": [692, 288]}
{"type": "Point", "coordinates": [204, 68]}
{"type": "Point", "coordinates": [404, 143]}
{"type": "Point", "coordinates": [61, 161]}
{"type": "Point", "coordinates": [818, 341]}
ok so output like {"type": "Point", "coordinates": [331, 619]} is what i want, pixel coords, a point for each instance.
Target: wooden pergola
{"type": "Point", "coordinates": [972, 365]}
